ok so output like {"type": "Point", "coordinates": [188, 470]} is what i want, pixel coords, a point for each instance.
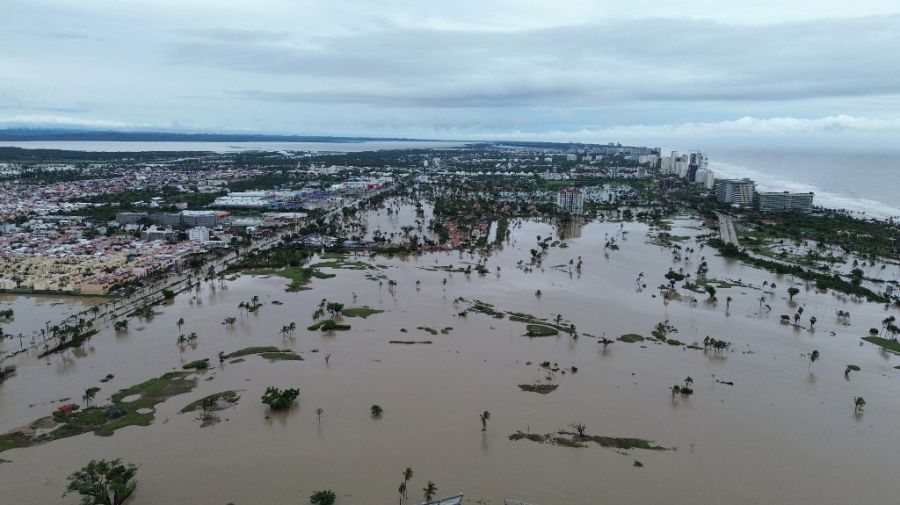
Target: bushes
{"type": "Point", "coordinates": [279, 399]}
{"type": "Point", "coordinates": [326, 497]}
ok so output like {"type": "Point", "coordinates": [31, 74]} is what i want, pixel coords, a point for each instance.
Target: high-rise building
{"type": "Point", "coordinates": [777, 202]}
{"type": "Point", "coordinates": [198, 234]}
{"type": "Point", "coordinates": [735, 191]}
{"type": "Point", "coordinates": [570, 200]}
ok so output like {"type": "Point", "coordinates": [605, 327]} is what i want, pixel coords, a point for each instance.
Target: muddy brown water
{"type": "Point", "coordinates": [784, 433]}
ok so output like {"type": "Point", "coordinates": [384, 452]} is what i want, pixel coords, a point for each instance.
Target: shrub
{"type": "Point", "coordinates": [278, 399]}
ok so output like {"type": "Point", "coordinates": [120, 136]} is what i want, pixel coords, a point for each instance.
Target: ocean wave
{"type": "Point", "coordinates": [772, 182]}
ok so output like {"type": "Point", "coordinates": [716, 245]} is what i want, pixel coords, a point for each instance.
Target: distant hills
{"type": "Point", "coordinates": [25, 134]}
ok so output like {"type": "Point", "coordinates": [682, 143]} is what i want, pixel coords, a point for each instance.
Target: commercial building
{"type": "Point", "coordinates": [735, 191]}
{"type": "Point", "coordinates": [153, 233]}
{"type": "Point", "coordinates": [570, 200]}
{"type": "Point", "coordinates": [778, 202]}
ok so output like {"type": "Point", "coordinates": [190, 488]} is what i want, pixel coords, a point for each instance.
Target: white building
{"type": "Point", "coordinates": [777, 202]}
{"type": "Point", "coordinates": [735, 191]}
{"type": "Point", "coordinates": [198, 234]}
{"type": "Point", "coordinates": [570, 200]}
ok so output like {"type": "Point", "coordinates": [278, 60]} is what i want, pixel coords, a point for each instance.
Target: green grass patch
{"type": "Point", "coordinates": [228, 397]}
{"type": "Point", "coordinates": [281, 356]}
{"type": "Point", "coordinates": [631, 338]}
{"type": "Point", "coordinates": [539, 330]}
{"type": "Point", "coordinates": [299, 276]}
{"type": "Point", "coordinates": [447, 330]}
{"type": "Point", "coordinates": [891, 345]}
{"type": "Point", "coordinates": [251, 350]}
{"type": "Point", "coordinates": [363, 312]}
{"type": "Point", "coordinates": [104, 420]}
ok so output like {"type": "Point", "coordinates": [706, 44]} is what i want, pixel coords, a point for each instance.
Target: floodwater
{"type": "Point", "coordinates": [785, 432]}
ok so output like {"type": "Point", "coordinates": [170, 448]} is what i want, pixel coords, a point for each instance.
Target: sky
{"type": "Point", "coordinates": [821, 72]}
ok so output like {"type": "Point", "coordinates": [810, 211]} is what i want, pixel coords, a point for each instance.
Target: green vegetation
{"type": "Point", "coordinates": [281, 356]}
{"type": "Point", "coordinates": [103, 482]}
{"type": "Point", "coordinates": [328, 325]}
{"type": "Point", "coordinates": [228, 397]}
{"type": "Point", "coordinates": [200, 364]}
{"type": "Point", "coordinates": [251, 350]}
{"type": "Point", "coordinates": [538, 388]}
{"type": "Point", "coordinates": [298, 276]}
{"type": "Point", "coordinates": [376, 411]}
{"type": "Point", "coordinates": [410, 342]}
{"type": "Point", "coordinates": [326, 497]}
{"type": "Point", "coordinates": [891, 345]}
{"type": "Point", "coordinates": [428, 329]}
{"type": "Point", "coordinates": [875, 239]}
{"type": "Point", "coordinates": [631, 338]}
{"type": "Point", "coordinates": [484, 417]}
{"type": "Point", "coordinates": [823, 281]}
{"type": "Point", "coordinates": [278, 399]}
{"type": "Point", "coordinates": [363, 312]}
{"type": "Point", "coordinates": [568, 439]}
{"type": "Point", "coordinates": [103, 421]}
{"type": "Point", "coordinates": [75, 340]}
{"type": "Point", "coordinates": [537, 330]}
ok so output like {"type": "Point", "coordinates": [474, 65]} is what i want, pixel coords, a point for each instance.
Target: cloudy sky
{"type": "Point", "coordinates": [591, 70]}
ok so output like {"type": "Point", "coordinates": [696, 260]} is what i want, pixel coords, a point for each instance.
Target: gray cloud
{"type": "Point", "coordinates": [596, 65]}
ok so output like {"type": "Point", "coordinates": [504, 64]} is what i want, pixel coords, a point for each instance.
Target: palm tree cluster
{"type": "Point", "coordinates": [252, 306]}
{"type": "Point", "coordinates": [287, 330]}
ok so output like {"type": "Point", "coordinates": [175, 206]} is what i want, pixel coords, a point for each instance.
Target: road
{"type": "Point", "coordinates": [726, 230]}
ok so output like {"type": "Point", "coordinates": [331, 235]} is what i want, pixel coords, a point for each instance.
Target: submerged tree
{"type": "Point", "coordinates": [859, 404]}
{"type": "Point", "coordinates": [430, 490]}
{"type": "Point", "coordinates": [792, 291]}
{"type": "Point", "coordinates": [376, 410]}
{"type": "Point", "coordinates": [278, 399]}
{"type": "Point", "coordinates": [103, 482]}
{"type": "Point", "coordinates": [580, 428]}
{"type": "Point", "coordinates": [813, 357]}
{"type": "Point", "coordinates": [484, 419]}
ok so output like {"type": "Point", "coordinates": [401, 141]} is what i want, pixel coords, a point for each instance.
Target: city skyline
{"type": "Point", "coordinates": [656, 73]}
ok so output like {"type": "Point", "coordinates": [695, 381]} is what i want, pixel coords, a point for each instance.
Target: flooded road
{"type": "Point", "coordinates": [784, 432]}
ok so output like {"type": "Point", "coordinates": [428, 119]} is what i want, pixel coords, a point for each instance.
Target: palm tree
{"type": "Point", "coordinates": [402, 491]}
{"type": "Point", "coordinates": [319, 413]}
{"type": "Point", "coordinates": [376, 410]}
{"type": "Point", "coordinates": [812, 321]}
{"type": "Point", "coordinates": [859, 403]}
{"type": "Point", "coordinates": [813, 357]}
{"type": "Point", "coordinates": [89, 395]}
{"type": "Point", "coordinates": [484, 419]}
{"type": "Point", "coordinates": [179, 323]}
{"type": "Point", "coordinates": [430, 489]}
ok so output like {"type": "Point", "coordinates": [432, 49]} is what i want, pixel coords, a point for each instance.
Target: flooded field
{"type": "Point", "coordinates": [763, 425]}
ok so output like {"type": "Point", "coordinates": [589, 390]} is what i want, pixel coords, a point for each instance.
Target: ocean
{"type": "Point", "coordinates": [864, 182]}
